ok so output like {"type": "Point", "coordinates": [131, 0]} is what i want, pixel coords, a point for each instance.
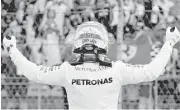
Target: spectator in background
{"type": "Point", "coordinates": [155, 14]}
{"type": "Point", "coordinates": [9, 18]}
{"type": "Point", "coordinates": [61, 10]}
{"type": "Point", "coordinates": [51, 39]}
{"type": "Point", "coordinates": [147, 15]}
{"type": "Point", "coordinates": [3, 24]}
{"type": "Point", "coordinates": [28, 25]}
{"type": "Point", "coordinates": [73, 19]}
{"type": "Point", "coordinates": [165, 6]}
{"type": "Point", "coordinates": [39, 6]}
{"type": "Point", "coordinates": [115, 12]}
{"type": "Point", "coordinates": [136, 18]}
{"type": "Point", "coordinates": [128, 7]}
{"type": "Point", "coordinates": [20, 12]}
{"type": "Point", "coordinates": [9, 5]}
{"type": "Point", "coordinates": [48, 23]}
{"type": "Point", "coordinates": [39, 10]}
{"type": "Point", "coordinates": [103, 15]}
{"type": "Point", "coordinates": [174, 11]}
{"type": "Point", "coordinates": [140, 10]}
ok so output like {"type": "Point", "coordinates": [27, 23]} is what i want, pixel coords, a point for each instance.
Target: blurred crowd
{"type": "Point", "coordinates": [43, 27]}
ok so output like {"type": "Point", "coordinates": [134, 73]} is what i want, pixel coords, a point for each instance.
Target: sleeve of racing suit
{"type": "Point", "coordinates": [41, 74]}
{"type": "Point", "coordinates": [132, 74]}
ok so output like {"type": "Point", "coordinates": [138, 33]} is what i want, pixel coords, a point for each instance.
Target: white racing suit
{"type": "Point", "coordinates": [90, 86]}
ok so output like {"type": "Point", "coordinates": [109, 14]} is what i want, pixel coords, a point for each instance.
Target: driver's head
{"type": "Point", "coordinates": [93, 33]}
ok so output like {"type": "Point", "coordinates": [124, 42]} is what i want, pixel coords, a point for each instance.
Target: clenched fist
{"type": "Point", "coordinates": [9, 42]}
{"type": "Point", "coordinates": [172, 35]}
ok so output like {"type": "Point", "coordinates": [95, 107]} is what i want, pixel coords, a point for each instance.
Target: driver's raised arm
{"type": "Point", "coordinates": [41, 74]}
{"type": "Point", "coordinates": [131, 74]}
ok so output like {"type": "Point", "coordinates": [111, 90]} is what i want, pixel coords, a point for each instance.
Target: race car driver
{"type": "Point", "coordinates": [93, 81]}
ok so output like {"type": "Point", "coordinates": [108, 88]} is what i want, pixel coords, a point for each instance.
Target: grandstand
{"type": "Point", "coordinates": [137, 28]}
